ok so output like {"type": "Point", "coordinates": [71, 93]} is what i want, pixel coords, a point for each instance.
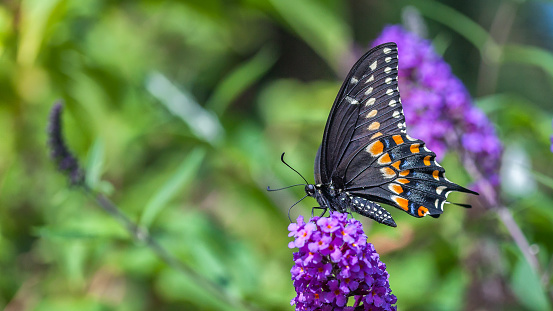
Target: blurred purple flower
{"type": "Point", "coordinates": [60, 154]}
{"type": "Point", "coordinates": [334, 263]}
{"type": "Point", "coordinates": [437, 106]}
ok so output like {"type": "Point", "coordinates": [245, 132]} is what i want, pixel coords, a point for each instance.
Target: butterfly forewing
{"type": "Point", "coordinates": [366, 107]}
{"type": "Point", "coordinates": [366, 151]}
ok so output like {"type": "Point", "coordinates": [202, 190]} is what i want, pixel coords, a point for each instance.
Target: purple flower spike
{"type": "Point", "coordinates": [60, 154]}
{"type": "Point", "coordinates": [437, 106]}
{"type": "Point", "coordinates": [336, 269]}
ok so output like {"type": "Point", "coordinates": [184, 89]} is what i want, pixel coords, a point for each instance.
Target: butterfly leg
{"type": "Point", "coordinates": [318, 207]}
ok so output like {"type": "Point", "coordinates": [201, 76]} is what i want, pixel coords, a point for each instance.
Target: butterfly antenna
{"type": "Point", "coordinates": [269, 188]}
{"type": "Point", "coordinates": [282, 159]}
{"type": "Point", "coordinates": [293, 206]}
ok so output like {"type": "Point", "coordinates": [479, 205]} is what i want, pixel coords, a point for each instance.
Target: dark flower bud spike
{"type": "Point", "coordinates": [60, 154]}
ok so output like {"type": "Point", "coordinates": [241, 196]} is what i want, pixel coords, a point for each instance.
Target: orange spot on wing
{"type": "Point", "coordinates": [403, 181]}
{"type": "Point", "coordinates": [403, 203]}
{"type": "Point", "coordinates": [388, 172]}
{"type": "Point", "coordinates": [384, 159]}
{"type": "Point", "coordinates": [396, 164]}
{"type": "Point", "coordinates": [436, 174]}
{"type": "Point", "coordinates": [398, 139]}
{"type": "Point", "coordinates": [415, 148]}
{"type": "Point", "coordinates": [374, 126]}
{"type": "Point", "coordinates": [396, 188]}
{"type": "Point", "coordinates": [372, 113]}
{"type": "Point", "coordinates": [404, 173]}
{"type": "Point", "coordinates": [422, 211]}
{"type": "Point", "coordinates": [376, 135]}
{"type": "Point", "coordinates": [427, 160]}
{"type": "Point", "coordinates": [375, 148]}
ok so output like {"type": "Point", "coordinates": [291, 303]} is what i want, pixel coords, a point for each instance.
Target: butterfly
{"type": "Point", "coordinates": [366, 156]}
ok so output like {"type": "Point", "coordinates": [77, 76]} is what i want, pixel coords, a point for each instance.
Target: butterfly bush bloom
{"type": "Point", "coordinates": [437, 106]}
{"type": "Point", "coordinates": [60, 154]}
{"type": "Point", "coordinates": [336, 266]}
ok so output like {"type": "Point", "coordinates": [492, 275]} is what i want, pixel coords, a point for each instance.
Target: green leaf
{"type": "Point", "coordinates": [529, 55]}
{"type": "Point", "coordinates": [95, 163]}
{"type": "Point", "coordinates": [36, 19]}
{"type": "Point", "coordinates": [543, 179]}
{"type": "Point", "coordinates": [240, 79]}
{"type": "Point", "coordinates": [174, 286]}
{"type": "Point", "coordinates": [182, 104]}
{"type": "Point", "coordinates": [527, 287]}
{"type": "Point", "coordinates": [449, 17]}
{"type": "Point", "coordinates": [182, 177]}
{"type": "Point", "coordinates": [320, 27]}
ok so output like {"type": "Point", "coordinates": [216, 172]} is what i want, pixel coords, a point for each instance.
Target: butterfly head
{"type": "Point", "coordinates": [310, 190]}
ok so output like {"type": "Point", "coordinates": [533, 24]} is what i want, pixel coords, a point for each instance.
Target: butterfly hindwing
{"type": "Point", "coordinates": [400, 171]}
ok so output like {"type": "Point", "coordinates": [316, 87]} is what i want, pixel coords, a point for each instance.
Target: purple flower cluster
{"type": "Point", "coordinates": [437, 106]}
{"type": "Point", "coordinates": [335, 263]}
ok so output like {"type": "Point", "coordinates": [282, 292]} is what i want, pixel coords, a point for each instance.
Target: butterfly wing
{"type": "Point", "coordinates": [366, 150]}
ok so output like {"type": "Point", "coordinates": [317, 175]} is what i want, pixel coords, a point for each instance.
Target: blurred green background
{"type": "Point", "coordinates": [179, 111]}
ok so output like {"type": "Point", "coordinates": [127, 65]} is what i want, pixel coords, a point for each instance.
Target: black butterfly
{"type": "Point", "coordinates": [366, 155]}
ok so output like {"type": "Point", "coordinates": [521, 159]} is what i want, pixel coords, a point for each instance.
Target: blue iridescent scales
{"type": "Point", "coordinates": [366, 155]}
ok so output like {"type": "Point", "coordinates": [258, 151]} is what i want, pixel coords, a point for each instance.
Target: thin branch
{"type": "Point", "coordinates": [489, 194]}
{"type": "Point", "coordinates": [68, 164]}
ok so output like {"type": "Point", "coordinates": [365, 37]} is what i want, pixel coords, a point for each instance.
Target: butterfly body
{"type": "Point", "coordinates": [366, 155]}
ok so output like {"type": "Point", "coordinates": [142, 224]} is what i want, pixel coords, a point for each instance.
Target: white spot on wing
{"type": "Point", "coordinates": [440, 189]}
{"type": "Point", "coordinates": [387, 70]}
{"type": "Point", "coordinates": [373, 65]}
{"type": "Point", "coordinates": [390, 92]}
{"type": "Point", "coordinates": [370, 101]}
{"type": "Point", "coordinates": [388, 59]}
{"type": "Point", "coordinates": [352, 100]}
{"type": "Point", "coordinates": [371, 78]}
{"type": "Point", "coordinates": [368, 91]}
{"type": "Point", "coordinates": [387, 50]}
{"type": "Point", "coordinates": [392, 103]}
{"type": "Point", "coordinates": [388, 80]}
{"type": "Point", "coordinates": [353, 80]}
{"type": "Point", "coordinates": [396, 114]}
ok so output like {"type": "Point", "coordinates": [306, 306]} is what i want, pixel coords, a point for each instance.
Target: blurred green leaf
{"type": "Point", "coordinates": [529, 55]}
{"type": "Point", "coordinates": [451, 18]}
{"type": "Point", "coordinates": [543, 179]}
{"type": "Point", "coordinates": [527, 287]}
{"type": "Point", "coordinates": [181, 103]}
{"type": "Point", "coordinates": [95, 164]}
{"type": "Point", "coordinates": [182, 177]}
{"type": "Point", "coordinates": [326, 32]}
{"type": "Point", "coordinates": [36, 19]}
{"type": "Point", "coordinates": [240, 79]}
{"type": "Point", "coordinates": [176, 287]}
